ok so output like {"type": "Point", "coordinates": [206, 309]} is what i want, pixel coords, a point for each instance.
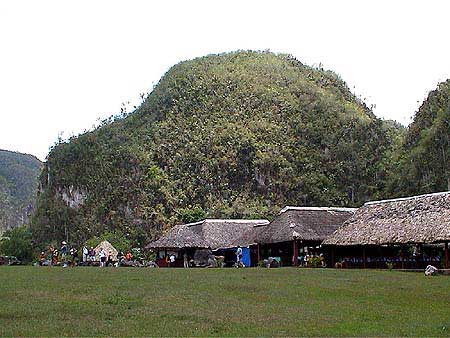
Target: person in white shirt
{"type": "Point", "coordinates": [172, 260]}
{"type": "Point", "coordinates": [185, 260]}
{"type": "Point", "coordinates": [238, 254]}
{"type": "Point", "coordinates": [85, 254]}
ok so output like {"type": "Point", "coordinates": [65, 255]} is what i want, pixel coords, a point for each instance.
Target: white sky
{"type": "Point", "coordinates": [66, 64]}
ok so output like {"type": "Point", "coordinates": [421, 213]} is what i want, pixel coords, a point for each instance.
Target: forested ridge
{"type": "Point", "coordinates": [18, 186]}
{"type": "Point", "coordinates": [233, 135]}
{"type": "Point", "coordinates": [424, 159]}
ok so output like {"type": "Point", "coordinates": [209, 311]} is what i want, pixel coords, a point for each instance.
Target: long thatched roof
{"type": "Point", "coordinates": [209, 233]}
{"type": "Point", "coordinates": [418, 219]}
{"type": "Point", "coordinates": [304, 223]}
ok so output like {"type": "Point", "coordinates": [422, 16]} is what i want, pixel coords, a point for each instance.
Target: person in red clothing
{"type": "Point", "coordinates": [128, 256]}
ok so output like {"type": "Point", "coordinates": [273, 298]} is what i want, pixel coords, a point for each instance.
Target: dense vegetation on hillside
{"type": "Point", "coordinates": [18, 186]}
{"type": "Point", "coordinates": [424, 159]}
{"type": "Point", "coordinates": [233, 135]}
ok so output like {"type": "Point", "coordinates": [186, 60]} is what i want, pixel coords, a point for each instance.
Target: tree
{"type": "Point", "coordinates": [191, 214]}
{"type": "Point", "coordinates": [17, 242]}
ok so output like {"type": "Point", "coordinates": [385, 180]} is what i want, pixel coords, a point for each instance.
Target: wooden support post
{"type": "Point", "coordinates": [333, 258]}
{"type": "Point", "coordinates": [447, 264]}
{"type": "Point", "coordinates": [258, 253]}
{"type": "Point", "coordinates": [294, 253]}
{"type": "Point", "coordinates": [402, 257]}
{"type": "Point", "coordinates": [364, 257]}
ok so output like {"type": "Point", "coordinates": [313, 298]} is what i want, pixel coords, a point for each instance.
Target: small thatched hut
{"type": "Point", "coordinates": [416, 220]}
{"type": "Point", "coordinates": [108, 248]}
{"type": "Point", "coordinates": [297, 228]}
{"type": "Point", "coordinates": [213, 234]}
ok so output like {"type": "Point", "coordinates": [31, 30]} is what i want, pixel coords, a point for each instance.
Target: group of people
{"type": "Point", "coordinates": [69, 256]}
{"type": "Point", "coordinates": [64, 255]}
{"type": "Point", "coordinates": [88, 254]}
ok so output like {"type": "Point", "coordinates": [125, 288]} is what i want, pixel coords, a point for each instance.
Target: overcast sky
{"type": "Point", "coordinates": [66, 64]}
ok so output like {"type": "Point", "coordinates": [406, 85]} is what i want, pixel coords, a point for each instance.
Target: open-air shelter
{"type": "Point", "coordinates": [222, 236]}
{"type": "Point", "coordinates": [409, 226]}
{"type": "Point", "coordinates": [298, 231]}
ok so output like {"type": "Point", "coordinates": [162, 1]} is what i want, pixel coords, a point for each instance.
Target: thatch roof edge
{"type": "Point", "coordinates": [407, 198]}
{"type": "Point", "coordinates": [256, 222]}
{"type": "Point", "coordinates": [336, 209]}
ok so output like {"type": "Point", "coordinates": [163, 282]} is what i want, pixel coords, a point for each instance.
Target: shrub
{"type": "Point", "coordinates": [191, 214]}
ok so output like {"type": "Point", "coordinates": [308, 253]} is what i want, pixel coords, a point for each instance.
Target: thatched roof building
{"type": "Point", "coordinates": [209, 233]}
{"type": "Point", "coordinates": [108, 248]}
{"type": "Point", "coordinates": [303, 223]}
{"type": "Point", "coordinates": [418, 219]}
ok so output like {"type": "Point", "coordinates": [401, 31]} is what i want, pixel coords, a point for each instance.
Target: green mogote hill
{"type": "Point", "coordinates": [232, 135]}
{"type": "Point", "coordinates": [18, 186]}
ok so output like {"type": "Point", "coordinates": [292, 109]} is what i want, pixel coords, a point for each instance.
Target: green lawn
{"type": "Point", "coordinates": [42, 301]}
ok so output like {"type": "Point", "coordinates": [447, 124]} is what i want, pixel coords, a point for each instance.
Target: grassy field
{"type": "Point", "coordinates": [42, 301]}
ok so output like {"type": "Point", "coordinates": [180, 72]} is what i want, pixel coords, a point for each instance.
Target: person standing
{"type": "Point", "coordinates": [85, 254]}
{"type": "Point", "coordinates": [110, 259]}
{"type": "Point", "coordinates": [50, 256]}
{"type": "Point", "coordinates": [74, 257]}
{"type": "Point", "coordinates": [63, 250]}
{"type": "Point", "coordinates": [92, 254]}
{"type": "Point", "coordinates": [55, 257]}
{"type": "Point", "coordinates": [102, 256]}
{"type": "Point", "coordinates": [238, 255]}
{"type": "Point", "coordinates": [171, 260]}
{"type": "Point", "coordinates": [185, 260]}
